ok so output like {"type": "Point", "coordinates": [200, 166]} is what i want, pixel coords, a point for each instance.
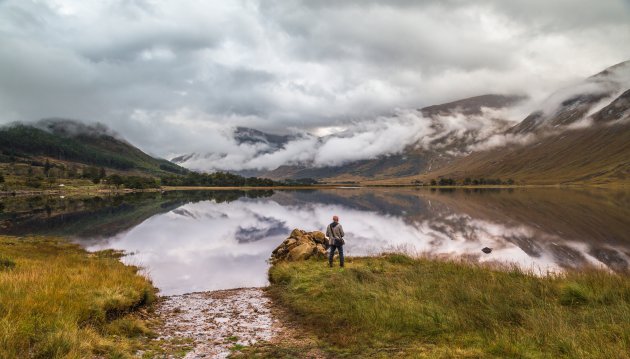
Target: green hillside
{"type": "Point", "coordinates": [19, 142]}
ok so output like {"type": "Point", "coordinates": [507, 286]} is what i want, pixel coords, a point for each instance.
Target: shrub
{"type": "Point", "coordinates": [6, 263]}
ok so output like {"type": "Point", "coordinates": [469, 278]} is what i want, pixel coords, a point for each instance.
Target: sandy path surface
{"type": "Point", "coordinates": [217, 321]}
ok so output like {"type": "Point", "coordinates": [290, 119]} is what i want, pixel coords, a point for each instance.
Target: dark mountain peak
{"type": "Point", "coordinates": [572, 104]}
{"type": "Point", "coordinates": [252, 136]}
{"type": "Point", "coordinates": [248, 136]}
{"type": "Point", "coordinates": [472, 105]}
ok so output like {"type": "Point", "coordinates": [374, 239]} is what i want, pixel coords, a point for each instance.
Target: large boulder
{"type": "Point", "coordinates": [301, 245]}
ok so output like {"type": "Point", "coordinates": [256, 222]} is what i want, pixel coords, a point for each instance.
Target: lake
{"type": "Point", "coordinates": [191, 241]}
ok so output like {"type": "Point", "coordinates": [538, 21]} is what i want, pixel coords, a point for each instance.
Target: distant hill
{"type": "Point", "coordinates": [581, 134]}
{"type": "Point", "coordinates": [72, 141]}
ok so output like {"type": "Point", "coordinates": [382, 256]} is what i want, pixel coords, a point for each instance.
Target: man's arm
{"type": "Point", "coordinates": [341, 231]}
{"type": "Point", "coordinates": [328, 232]}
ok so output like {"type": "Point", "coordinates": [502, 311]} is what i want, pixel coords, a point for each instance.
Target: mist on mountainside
{"type": "Point", "coordinates": [367, 139]}
{"type": "Point", "coordinates": [446, 131]}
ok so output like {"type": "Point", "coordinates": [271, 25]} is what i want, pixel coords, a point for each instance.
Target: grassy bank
{"type": "Point", "coordinates": [394, 306]}
{"type": "Point", "coordinates": [58, 301]}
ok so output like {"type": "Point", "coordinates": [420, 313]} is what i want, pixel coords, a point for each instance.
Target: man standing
{"type": "Point", "coordinates": [335, 234]}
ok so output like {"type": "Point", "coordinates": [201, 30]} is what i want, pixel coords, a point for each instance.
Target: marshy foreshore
{"type": "Point", "coordinates": [57, 300]}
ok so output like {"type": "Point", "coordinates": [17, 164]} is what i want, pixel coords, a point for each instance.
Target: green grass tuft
{"type": "Point", "coordinates": [237, 347]}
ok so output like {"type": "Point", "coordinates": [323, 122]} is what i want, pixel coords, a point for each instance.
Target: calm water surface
{"type": "Point", "coordinates": [207, 240]}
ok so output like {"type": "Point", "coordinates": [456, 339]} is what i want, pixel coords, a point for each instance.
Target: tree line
{"type": "Point", "coordinates": [37, 174]}
{"type": "Point", "coordinates": [218, 179]}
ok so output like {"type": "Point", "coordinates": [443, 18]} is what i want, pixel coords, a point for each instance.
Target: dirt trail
{"type": "Point", "coordinates": [218, 321]}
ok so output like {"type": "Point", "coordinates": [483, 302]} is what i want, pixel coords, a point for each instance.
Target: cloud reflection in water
{"type": "Point", "coordinates": [209, 245]}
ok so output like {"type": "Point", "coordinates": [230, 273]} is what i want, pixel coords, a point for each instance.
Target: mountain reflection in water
{"type": "Point", "coordinates": [193, 241]}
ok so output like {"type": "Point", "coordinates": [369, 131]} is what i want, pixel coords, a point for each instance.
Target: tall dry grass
{"type": "Point", "coordinates": [58, 301]}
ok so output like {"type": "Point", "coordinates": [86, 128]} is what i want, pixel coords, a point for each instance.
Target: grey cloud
{"type": "Point", "coordinates": [543, 13]}
{"type": "Point", "coordinates": [169, 75]}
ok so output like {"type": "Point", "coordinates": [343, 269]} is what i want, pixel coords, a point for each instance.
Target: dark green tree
{"type": "Point", "coordinates": [115, 180]}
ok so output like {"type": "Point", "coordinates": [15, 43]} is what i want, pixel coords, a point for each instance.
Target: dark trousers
{"type": "Point", "coordinates": [331, 254]}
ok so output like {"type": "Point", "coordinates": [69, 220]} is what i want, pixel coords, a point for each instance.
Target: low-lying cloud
{"type": "Point", "coordinates": [383, 136]}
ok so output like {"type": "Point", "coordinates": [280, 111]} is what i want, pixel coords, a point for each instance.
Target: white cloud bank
{"type": "Point", "coordinates": [383, 136]}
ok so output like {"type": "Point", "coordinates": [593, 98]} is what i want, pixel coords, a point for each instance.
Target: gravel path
{"type": "Point", "coordinates": [217, 321]}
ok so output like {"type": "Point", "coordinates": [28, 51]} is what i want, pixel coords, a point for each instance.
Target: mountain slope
{"type": "Point", "coordinates": [72, 141]}
{"type": "Point", "coordinates": [584, 138]}
{"type": "Point", "coordinates": [597, 155]}
{"type": "Point", "coordinates": [472, 105]}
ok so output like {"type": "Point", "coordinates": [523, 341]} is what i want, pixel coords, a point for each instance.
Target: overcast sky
{"type": "Point", "coordinates": [169, 75]}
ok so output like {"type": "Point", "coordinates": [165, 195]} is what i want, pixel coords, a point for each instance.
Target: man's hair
{"type": "Point", "coordinates": [335, 218]}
